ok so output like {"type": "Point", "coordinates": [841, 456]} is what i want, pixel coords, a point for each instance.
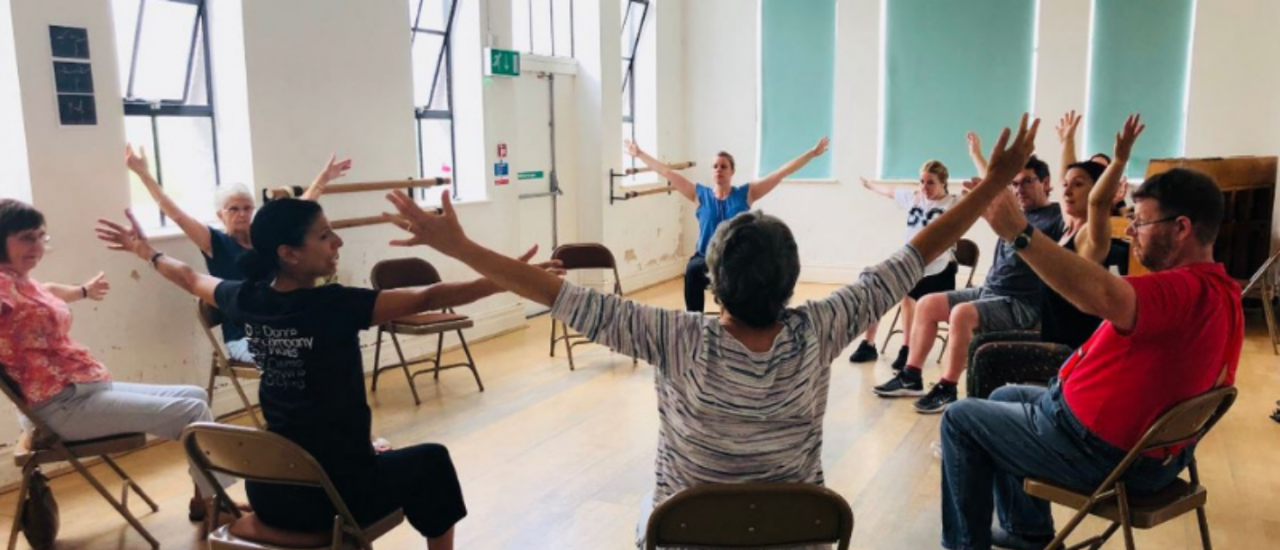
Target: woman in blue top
{"type": "Point", "coordinates": [222, 248]}
{"type": "Point", "coordinates": [717, 204]}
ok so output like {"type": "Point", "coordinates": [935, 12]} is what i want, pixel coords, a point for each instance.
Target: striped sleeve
{"type": "Point", "coordinates": [657, 336]}
{"type": "Point", "coordinates": [847, 312]}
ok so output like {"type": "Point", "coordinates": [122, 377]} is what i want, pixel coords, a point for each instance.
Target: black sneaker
{"type": "Point", "coordinates": [901, 362]}
{"type": "Point", "coordinates": [940, 395]}
{"type": "Point", "coordinates": [1009, 541]}
{"type": "Point", "coordinates": [901, 385]}
{"type": "Point", "coordinates": [865, 353]}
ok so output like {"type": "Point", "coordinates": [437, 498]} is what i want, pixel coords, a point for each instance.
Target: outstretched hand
{"type": "Point", "coordinates": [1006, 162]}
{"type": "Point", "coordinates": [440, 231]}
{"type": "Point", "coordinates": [334, 169]}
{"type": "Point", "coordinates": [97, 287]}
{"type": "Point", "coordinates": [130, 239]}
{"type": "Point", "coordinates": [820, 147]}
{"type": "Point", "coordinates": [136, 159]}
{"type": "Point", "coordinates": [554, 267]}
{"type": "Point", "coordinates": [1067, 126]}
{"type": "Point", "coordinates": [975, 144]}
{"type": "Point", "coordinates": [1127, 136]}
{"type": "Point", "coordinates": [631, 148]}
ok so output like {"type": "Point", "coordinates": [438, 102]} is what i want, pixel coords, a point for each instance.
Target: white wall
{"type": "Point", "coordinates": [1234, 109]}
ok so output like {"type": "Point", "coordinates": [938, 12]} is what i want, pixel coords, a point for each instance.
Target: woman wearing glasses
{"type": "Point", "coordinates": [66, 387]}
{"type": "Point", "coordinates": [223, 247]}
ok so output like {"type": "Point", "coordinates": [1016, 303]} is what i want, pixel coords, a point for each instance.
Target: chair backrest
{"type": "Point", "coordinates": [752, 515]}
{"type": "Point", "coordinates": [584, 256]}
{"type": "Point", "coordinates": [210, 317]}
{"type": "Point", "coordinates": [588, 256]}
{"type": "Point", "coordinates": [403, 272]}
{"type": "Point", "coordinates": [43, 436]}
{"type": "Point", "coordinates": [260, 456]}
{"type": "Point", "coordinates": [967, 255]}
{"type": "Point", "coordinates": [1188, 421]}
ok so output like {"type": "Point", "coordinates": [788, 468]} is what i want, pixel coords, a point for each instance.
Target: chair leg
{"type": "Point", "coordinates": [1122, 498]}
{"type": "Point", "coordinates": [1269, 313]}
{"type": "Point", "coordinates": [128, 516]}
{"type": "Point", "coordinates": [471, 363]}
{"type": "Point", "coordinates": [568, 348]}
{"type": "Point", "coordinates": [377, 352]}
{"type": "Point", "coordinates": [553, 336]}
{"type": "Point", "coordinates": [213, 377]}
{"type": "Point", "coordinates": [405, 367]}
{"type": "Point", "coordinates": [1204, 529]}
{"type": "Point", "coordinates": [439, 353]}
{"type": "Point", "coordinates": [244, 398]}
{"type": "Point", "coordinates": [892, 325]}
{"type": "Point", "coordinates": [22, 497]}
{"type": "Point", "coordinates": [1060, 541]}
{"type": "Point", "coordinates": [130, 484]}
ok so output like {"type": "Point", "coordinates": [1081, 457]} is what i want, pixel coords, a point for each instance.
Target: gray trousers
{"type": "Point", "coordinates": [99, 409]}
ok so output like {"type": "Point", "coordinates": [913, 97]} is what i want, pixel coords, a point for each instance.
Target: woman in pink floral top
{"type": "Point", "coordinates": [65, 386]}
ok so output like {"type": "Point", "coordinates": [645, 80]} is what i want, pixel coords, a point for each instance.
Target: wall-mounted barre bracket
{"type": "Point", "coordinates": [628, 195]}
{"type": "Point", "coordinates": [338, 188]}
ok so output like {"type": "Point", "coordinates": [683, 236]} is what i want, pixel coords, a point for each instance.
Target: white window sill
{"type": "Point", "coordinates": [172, 231]}
{"type": "Point", "coordinates": [813, 181]}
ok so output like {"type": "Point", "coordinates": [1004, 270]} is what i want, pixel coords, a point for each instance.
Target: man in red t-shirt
{"type": "Point", "coordinates": [1167, 336]}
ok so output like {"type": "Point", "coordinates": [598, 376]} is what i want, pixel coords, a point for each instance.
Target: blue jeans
{"type": "Point", "coordinates": [989, 447]}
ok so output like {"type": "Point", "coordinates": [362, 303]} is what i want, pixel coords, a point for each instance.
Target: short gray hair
{"type": "Point", "coordinates": [753, 263]}
{"type": "Point", "coordinates": [229, 191]}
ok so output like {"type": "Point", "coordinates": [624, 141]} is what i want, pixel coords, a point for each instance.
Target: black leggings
{"type": "Point", "coordinates": [420, 479]}
{"type": "Point", "coordinates": [695, 283]}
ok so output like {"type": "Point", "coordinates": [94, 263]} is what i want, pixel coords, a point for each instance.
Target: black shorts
{"type": "Point", "coordinates": [942, 282]}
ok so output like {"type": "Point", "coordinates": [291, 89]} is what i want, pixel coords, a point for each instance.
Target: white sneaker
{"type": "Point", "coordinates": [936, 447]}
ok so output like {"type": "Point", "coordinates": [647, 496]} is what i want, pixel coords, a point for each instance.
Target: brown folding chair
{"type": "Point", "coordinates": [1187, 422]}
{"type": "Point", "coordinates": [751, 515]}
{"type": "Point", "coordinates": [967, 255]}
{"type": "Point", "coordinates": [222, 365]}
{"type": "Point", "coordinates": [574, 257]}
{"type": "Point", "coordinates": [406, 272]}
{"type": "Point", "coordinates": [265, 457]}
{"type": "Point", "coordinates": [48, 448]}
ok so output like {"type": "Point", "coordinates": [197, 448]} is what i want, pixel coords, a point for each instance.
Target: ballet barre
{"type": "Point", "coordinates": [628, 195]}
{"type": "Point", "coordinates": [361, 187]}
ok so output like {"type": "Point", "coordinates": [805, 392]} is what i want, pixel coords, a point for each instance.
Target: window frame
{"type": "Point", "coordinates": [551, 17]}
{"type": "Point", "coordinates": [155, 110]}
{"type": "Point", "coordinates": [628, 75]}
{"type": "Point", "coordinates": [444, 61]}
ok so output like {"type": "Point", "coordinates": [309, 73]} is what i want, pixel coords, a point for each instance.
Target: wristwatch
{"type": "Point", "coordinates": [1024, 238]}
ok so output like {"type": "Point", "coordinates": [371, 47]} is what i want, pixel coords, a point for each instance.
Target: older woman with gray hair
{"type": "Point", "coordinates": [223, 247]}
{"type": "Point", "coordinates": [741, 397]}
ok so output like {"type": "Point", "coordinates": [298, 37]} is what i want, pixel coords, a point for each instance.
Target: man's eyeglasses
{"type": "Point", "coordinates": [1136, 225]}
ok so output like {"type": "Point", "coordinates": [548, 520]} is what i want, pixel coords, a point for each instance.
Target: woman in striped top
{"type": "Point", "coordinates": [741, 397]}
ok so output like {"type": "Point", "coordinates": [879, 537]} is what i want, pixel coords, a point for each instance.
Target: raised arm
{"type": "Point", "coordinates": [878, 188]}
{"type": "Point", "coordinates": [656, 335]}
{"type": "Point", "coordinates": [195, 230]}
{"type": "Point", "coordinates": [1084, 283]}
{"type": "Point", "coordinates": [393, 304]}
{"type": "Point", "coordinates": [333, 170]}
{"type": "Point", "coordinates": [133, 240]}
{"type": "Point", "coordinates": [1067, 137]}
{"type": "Point", "coordinates": [680, 183]}
{"type": "Point", "coordinates": [1096, 237]}
{"type": "Point", "coordinates": [975, 153]}
{"type": "Point", "coordinates": [758, 189]}
{"type": "Point", "coordinates": [943, 232]}
{"type": "Point", "coordinates": [95, 289]}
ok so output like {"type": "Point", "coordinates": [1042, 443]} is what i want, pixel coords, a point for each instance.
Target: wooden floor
{"type": "Point", "coordinates": [560, 460]}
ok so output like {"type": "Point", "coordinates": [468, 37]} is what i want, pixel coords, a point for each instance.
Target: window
{"type": "Point", "coordinates": [431, 27]}
{"type": "Point", "coordinates": [639, 119]}
{"type": "Point", "coordinates": [542, 27]}
{"type": "Point", "coordinates": [951, 68]}
{"type": "Point", "coordinates": [797, 82]}
{"type": "Point", "coordinates": [1139, 62]}
{"type": "Point", "coordinates": [168, 102]}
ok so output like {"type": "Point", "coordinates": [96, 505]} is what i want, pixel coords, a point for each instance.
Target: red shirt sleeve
{"type": "Point", "coordinates": [1163, 300]}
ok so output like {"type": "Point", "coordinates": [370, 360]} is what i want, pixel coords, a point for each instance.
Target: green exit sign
{"type": "Point", "coordinates": [502, 63]}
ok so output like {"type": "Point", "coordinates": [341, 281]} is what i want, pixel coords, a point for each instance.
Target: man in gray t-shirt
{"type": "Point", "coordinates": [1008, 300]}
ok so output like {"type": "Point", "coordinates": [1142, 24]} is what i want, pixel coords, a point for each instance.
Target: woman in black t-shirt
{"type": "Point", "coordinates": [306, 340]}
